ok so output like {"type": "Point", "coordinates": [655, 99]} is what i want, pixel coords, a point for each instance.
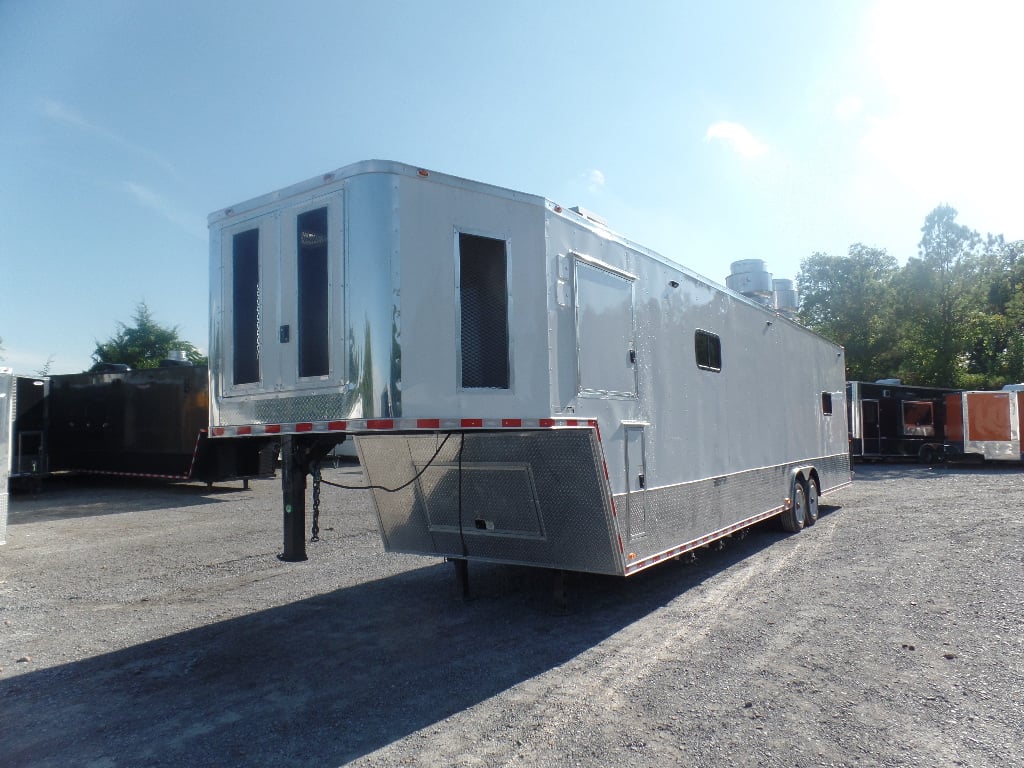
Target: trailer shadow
{"type": "Point", "coordinates": [331, 678]}
{"type": "Point", "coordinates": [84, 495]}
{"type": "Point", "coordinates": [887, 472]}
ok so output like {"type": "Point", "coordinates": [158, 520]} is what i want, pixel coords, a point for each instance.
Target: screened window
{"type": "Point", "coordinates": [483, 297]}
{"type": "Point", "coordinates": [311, 233]}
{"type": "Point", "coordinates": [245, 306]}
{"type": "Point", "coordinates": [709, 350]}
{"type": "Point", "coordinates": [826, 403]}
{"type": "Point", "coordinates": [919, 418]}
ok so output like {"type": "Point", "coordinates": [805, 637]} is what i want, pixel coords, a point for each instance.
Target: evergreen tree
{"type": "Point", "coordinates": [144, 344]}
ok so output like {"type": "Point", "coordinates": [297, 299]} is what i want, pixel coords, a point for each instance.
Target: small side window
{"type": "Point", "coordinates": [708, 349]}
{"type": "Point", "coordinates": [826, 403]}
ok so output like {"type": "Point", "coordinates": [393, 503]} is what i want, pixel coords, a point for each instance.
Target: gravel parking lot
{"type": "Point", "coordinates": [152, 625]}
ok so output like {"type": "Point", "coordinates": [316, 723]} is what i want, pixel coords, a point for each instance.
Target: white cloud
{"type": "Point", "coordinates": [736, 137]}
{"type": "Point", "coordinates": [63, 114]}
{"type": "Point", "coordinates": [591, 180]}
{"type": "Point", "coordinates": [190, 223]}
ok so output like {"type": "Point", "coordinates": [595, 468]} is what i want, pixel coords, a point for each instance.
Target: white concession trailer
{"type": "Point", "coordinates": [523, 384]}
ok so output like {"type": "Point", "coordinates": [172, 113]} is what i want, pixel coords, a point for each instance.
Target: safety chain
{"type": "Point", "coordinates": [316, 503]}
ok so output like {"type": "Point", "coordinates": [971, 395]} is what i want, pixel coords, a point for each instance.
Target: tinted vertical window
{"type": "Point", "coordinates": [245, 306]}
{"type": "Point", "coordinates": [826, 403]}
{"type": "Point", "coordinates": [483, 296]}
{"type": "Point", "coordinates": [709, 351]}
{"type": "Point", "coordinates": [311, 251]}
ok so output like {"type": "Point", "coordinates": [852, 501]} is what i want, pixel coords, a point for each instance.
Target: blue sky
{"type": "Point", "coordinates": [710, 132]}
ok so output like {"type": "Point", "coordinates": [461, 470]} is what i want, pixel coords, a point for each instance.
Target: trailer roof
{"type": "Point", "coordinates": [339, 175]}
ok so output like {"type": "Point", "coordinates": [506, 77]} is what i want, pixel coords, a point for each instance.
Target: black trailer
{"type": "Point", "coordinates": [891, 420]}
{"type": "Point", "coordinates": [146, 423]}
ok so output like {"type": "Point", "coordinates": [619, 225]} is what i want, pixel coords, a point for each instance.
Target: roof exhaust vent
{"type": "Point", "coordinates": [751, 278]}
{"type": "Point", "coordinates": [784, 297]}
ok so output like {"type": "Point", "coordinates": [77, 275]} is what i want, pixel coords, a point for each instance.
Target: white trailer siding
{"type": "Point", "coordinates": [8, 390]}
{"type": "Point", "coordinates": [562, 396]}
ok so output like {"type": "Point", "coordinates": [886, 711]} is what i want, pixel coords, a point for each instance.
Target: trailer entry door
{"type": "Point", "coordinates": [636, 481]}
{"type": "Point", "coordinates": [604, 332]}
{"type": "Point", "coordinates": [871, 442]}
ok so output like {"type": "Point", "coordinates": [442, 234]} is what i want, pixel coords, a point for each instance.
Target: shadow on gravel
{"type": "Point", "coordinates": [81, 496]}
{"type": "Point", "coordinates": [871, 472]}
{"type": "Point", "coordinates": [326, 680]}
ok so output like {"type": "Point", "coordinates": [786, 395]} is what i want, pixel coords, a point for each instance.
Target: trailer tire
{"type": "Point", "coordinates": [811, 513]}
{"type": "Point", "coordinates": [795, 515]}
{"type": "Point", "coordinates": [927, 454]}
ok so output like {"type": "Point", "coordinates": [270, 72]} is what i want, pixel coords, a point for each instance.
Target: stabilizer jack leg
{"type": "Point", "coordinates": [462, 576]}
{"type": "Point", "coordinates": [559, 598]}
{"type": "Point", "coordinates": [298, 456]}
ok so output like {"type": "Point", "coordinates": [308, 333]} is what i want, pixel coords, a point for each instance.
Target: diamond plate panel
{"type": "Point", "coordinates": [540, 498]}
{"type": "Point", "coordinates": [637, 514]}
{"type": "Point", "coordinates": [681, 513]}
{"type": "Point", "coordinates": [318, 406]}
{"type": "Point", "coordinates": [531, 498]}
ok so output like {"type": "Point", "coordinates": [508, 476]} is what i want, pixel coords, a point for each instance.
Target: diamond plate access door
{"type": "Point", "coordinates": [636, 481]}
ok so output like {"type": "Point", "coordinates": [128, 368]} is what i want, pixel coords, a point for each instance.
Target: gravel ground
{"type": "Point", "coordinates": [149, 625]}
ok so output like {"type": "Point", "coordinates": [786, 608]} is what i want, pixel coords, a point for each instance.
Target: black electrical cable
{"type": "Point", "coordinates": [462, 533]}
{"type": "Point", "coordinates": [403, 485]}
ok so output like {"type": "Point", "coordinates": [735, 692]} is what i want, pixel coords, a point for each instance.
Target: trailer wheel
{"type": "Point", "coordinates": [811, 515]}
{"type": "Point", "coordinates": [794, 517]}
{"type": "Point", "coordinates": [927, 454]}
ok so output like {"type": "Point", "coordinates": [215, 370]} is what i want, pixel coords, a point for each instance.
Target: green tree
{"type": "Point", "coordinates": [937, 304]}
{"type": "Point", "coordinates": [144, 344]}
{"type": "Point", "coordinates": [994, 354]}
{"type": "Point", "coordinates": [847, 299]}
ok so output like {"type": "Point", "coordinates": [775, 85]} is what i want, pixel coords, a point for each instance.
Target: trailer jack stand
{"type": "Point", "coordinates": [462, 576]}
{"type": "Point", "coordinates": [559, 598]}
{"type": "Point", "coordinates": [298, 456]}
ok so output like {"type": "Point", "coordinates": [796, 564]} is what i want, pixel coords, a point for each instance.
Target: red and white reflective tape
{"type": "Point", "coordinates": [372, 426]}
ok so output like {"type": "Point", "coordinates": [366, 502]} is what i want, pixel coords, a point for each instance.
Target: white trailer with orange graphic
{"type": "Point", "coordinates": [523, 384]}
